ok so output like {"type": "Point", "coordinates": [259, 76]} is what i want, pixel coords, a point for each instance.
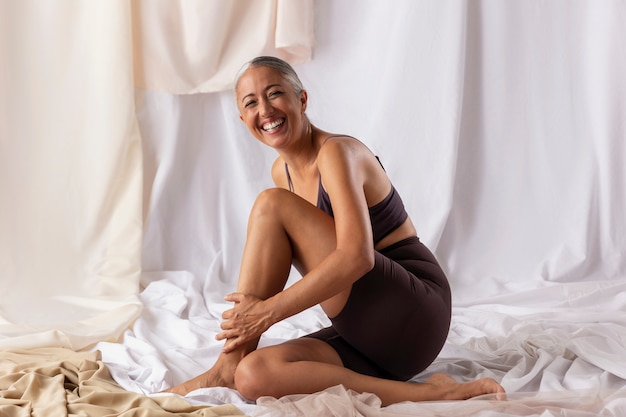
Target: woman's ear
{"type": "Point", "coordinates": [304, 98]}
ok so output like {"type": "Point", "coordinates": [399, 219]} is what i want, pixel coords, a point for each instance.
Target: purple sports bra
{"type": "Point", "coordinates": [385, 216]}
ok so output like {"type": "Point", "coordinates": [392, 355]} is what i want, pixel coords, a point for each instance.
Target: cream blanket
{"type": "Point", "coordinates": [60, 382]}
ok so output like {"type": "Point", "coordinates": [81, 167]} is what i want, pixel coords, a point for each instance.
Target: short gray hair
{"type": "Point", "coordinates": [279, 65]}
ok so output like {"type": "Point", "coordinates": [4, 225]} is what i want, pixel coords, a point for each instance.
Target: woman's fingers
{"type": "Point", "coordinates": [234, 297]}
{"type": "Point", "coordinates": [245, 321]}
{"type": "Point", "coordinates": [232, 327]}
{"type": "Point", "coordinates": [227, 334]}
{"type": "Point", "coordinates": [233, 339]}
{"type": "Point", "coordinates": [228, 314]}
{"type": "Point", "coordinates": [230, 345]}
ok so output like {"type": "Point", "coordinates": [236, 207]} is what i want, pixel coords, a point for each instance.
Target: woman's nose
{"type": "Point", "coordinates": [266, 108]}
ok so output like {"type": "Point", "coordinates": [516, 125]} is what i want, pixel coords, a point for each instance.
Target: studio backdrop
{"type": "Point", "coordinates": [123, 160]}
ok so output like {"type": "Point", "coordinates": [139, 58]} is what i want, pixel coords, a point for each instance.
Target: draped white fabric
{"type": "Point", "coordinates": [502, 125]}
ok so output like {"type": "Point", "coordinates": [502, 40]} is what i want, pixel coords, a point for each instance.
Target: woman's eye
{"type": "Point", "coordinates": [275, 93]}
{"type": "Point", "coordinates": [250, 103]}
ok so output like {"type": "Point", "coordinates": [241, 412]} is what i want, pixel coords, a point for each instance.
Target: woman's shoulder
{"type": "Point", "coordinates": [279, 175]}
{"type": "Point", "coordinates": [343, 146]}
{"type": "Point", "coordinates": [326, 137]}
{"type": "Point", "coordinates": [343, 155]}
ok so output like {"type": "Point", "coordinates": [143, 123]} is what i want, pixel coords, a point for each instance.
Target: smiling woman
{"type": "Point", "coordinates": [271, 105]}
{"type": "Point", "coordinates": [336, 217]}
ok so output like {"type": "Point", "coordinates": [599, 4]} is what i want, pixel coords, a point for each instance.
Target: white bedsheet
{"type": "Point", "coordinates": [558, 348]}
{"type": "Point", "coordinates": [502, 126]}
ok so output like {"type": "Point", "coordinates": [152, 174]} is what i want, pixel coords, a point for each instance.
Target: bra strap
{"type": "Point", "coordinates": [288, 177]}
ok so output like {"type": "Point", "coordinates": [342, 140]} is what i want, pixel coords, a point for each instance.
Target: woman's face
{"type": "Point", "coordinates": [270, 107]}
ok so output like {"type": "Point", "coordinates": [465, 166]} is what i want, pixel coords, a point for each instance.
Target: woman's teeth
{"type": "Point", "coordinates": [271, 126]}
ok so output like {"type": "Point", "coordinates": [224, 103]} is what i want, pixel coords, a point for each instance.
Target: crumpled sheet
{"type": "Point", "coordinates": [339, 402]}
{"type": "Point", "coordinates": [59, 382]}
{"type": "Point", "coordinates": [558, 351]}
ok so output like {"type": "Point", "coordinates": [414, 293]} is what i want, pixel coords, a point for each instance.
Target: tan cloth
{"type": "Point", "coordinates": [197, 46]}
{"type": "Point", "coordinates": [60, 382]}
{"type": "Point", "coordinates": [71, 174]}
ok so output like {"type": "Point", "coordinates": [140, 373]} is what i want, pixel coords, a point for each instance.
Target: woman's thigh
{"type": "Point", "coordinates": [310, 230]}
{"type": "Point", "coordinates": [269, 360]}
{"type": "Point", "coordinates": [398, 314]}
{"type": "Point", "coordinates": [307, 350]}
{"type": "Point", "coordinates": [311, 233]}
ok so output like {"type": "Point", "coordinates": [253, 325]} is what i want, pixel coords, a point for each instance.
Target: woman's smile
{"type": "Point", "coordinates": [271, 127]}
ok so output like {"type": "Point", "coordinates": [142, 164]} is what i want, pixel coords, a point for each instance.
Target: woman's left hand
{"type": "Point", "coordinates": [246, 321]}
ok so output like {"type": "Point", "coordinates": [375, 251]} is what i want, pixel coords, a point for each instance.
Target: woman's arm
{"type": "Point", "coordinates": [350, 174]}
{"type": "Point", "coordinates": [347, 168]}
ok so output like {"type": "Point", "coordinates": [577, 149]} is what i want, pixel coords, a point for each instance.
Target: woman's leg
{"type": "Point", "coordinates": [306, 365]}
{"type": "Point", "coordinates": [282, 229]}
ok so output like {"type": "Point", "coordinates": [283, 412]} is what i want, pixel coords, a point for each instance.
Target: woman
{"type": "Point", "coordinates": [336, 217]}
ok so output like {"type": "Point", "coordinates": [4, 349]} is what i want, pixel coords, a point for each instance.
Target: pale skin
{"type": "Point", "coordinates": [286, 228]}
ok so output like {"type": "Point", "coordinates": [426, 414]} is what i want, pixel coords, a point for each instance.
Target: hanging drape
{"type": "Point", "coordinates": [187, 47]}
{"type": "Point", "coordinates": [501, 124]}
{"type": "Point", "coordinates": [70, 219]}
{"type": "Point", "coordinates": [126, 176]}
{"type": "Point", "coordinates": [71, 158]}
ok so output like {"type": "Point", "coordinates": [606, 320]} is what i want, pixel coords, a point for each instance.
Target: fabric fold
{"type": "Point", "coordinates": [60, 382]}
{"type": "Point", "coordinates": [198, 46]}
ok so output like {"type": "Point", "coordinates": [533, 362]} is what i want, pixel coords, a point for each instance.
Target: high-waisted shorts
{"type": "Point", "coordinates": [397, 317]}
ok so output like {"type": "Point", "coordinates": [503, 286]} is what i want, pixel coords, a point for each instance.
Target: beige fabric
{"type": "Point", "coordinates": [70, 174]}
{"type": "Point", "coordinates": [59, 382]}
{"type": "Point", "coordinates": [198, 45]}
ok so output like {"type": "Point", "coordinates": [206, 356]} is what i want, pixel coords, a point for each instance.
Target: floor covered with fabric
{"type": "Point", "coordinates": [557, 351]}
{"type": "Point", "coordinates": [127, 179]}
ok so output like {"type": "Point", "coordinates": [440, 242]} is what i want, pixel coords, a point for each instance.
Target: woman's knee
{"type": "Point", "coordinates": [271, 199]}
{"type": "Point", "coordinates": [253, 376]}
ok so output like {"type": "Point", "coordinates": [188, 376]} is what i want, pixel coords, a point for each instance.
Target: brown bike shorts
{"type": "Point", "coordinates": [397, 317]}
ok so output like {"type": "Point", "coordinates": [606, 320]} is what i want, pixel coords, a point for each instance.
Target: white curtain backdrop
{"type": "Point", "coordinates": [126, 176]}
{"type": "Point", "coordinates": [501, 123]}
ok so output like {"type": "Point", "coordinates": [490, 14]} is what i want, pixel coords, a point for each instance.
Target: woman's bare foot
{"type": "Point", "coordinates": [207, 379]}
{"type": "Point", "coordinates": [222, 374]}
{"type": "Point", "coordinates": [446, 388]}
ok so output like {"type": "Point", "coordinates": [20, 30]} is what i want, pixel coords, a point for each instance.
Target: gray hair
{"type": "Point", "coordinates": [279, 65]}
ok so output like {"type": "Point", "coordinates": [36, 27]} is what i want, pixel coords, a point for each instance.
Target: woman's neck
{"type": "Point", "coordinates": [303, 155]}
